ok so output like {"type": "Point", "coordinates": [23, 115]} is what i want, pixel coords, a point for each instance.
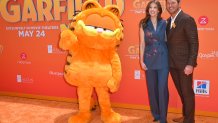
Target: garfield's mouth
{"type": "Point", "coordinates": [95, 31]}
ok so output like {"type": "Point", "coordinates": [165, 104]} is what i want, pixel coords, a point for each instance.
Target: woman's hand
{"type": "Point", "coordinates": [143, 66]}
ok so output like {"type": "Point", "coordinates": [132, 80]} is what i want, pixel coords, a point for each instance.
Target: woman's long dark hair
{"type": "Point", "coordinates": [144, 21]}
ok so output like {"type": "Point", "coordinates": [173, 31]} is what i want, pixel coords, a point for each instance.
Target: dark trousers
{"type": "Point", "coordinates": [157, 84]}
{"type": "Point", "coordinates": [183, 85]}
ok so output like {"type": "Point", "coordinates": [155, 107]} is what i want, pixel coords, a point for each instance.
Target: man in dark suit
{"type": "Point", "coordinates": [182, 42]}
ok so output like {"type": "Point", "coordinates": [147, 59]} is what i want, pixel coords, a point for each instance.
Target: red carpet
{"type": "Point", "coordinates": [24, 110]}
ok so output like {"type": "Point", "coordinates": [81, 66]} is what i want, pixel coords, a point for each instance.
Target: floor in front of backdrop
{"type": "Point", "coordinates": [24, 110]}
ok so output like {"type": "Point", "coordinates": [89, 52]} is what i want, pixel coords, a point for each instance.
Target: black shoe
{"type": "Point", "coordinates": [155, 120]}
{"type": "Point", "coordinates": [178, 120]}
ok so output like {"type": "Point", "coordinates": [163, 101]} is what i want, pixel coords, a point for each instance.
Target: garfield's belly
{"type": "Point", "coordinates": [89, 73]}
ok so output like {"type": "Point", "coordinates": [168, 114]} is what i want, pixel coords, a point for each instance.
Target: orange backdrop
{"type": "Point", "coordinates": [32, 63]}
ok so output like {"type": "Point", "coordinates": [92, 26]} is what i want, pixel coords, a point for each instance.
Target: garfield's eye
{"type": "Point", "coordinates": [90, 27]}
{"type": "Point", "coordinates": [107, 30]}
{"type": "Point", "coordinates": [100, 29]}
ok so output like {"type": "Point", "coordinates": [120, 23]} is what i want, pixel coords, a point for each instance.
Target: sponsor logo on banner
{"type": "Point", "coordinates": [209, 55]}
{"type": "Point", "coordinates": [139, 75]}
{"type": "Point", "coordinates": [133, 52]}
{"type": "Point", "coordinates": [23, 56]}
{"type": "Point", "coordinates": [19, 78]}
{"type": "Point", "coordinates": [50, 49]}
{"type": "Point", "coordinates": [24, 79]}
{"type": "Point", "coordinates": [23, 59]}
{"type": "Point", "coordinates": [202, 87]}
{"type": "Point", "coordinates": [55, 50]}
{"type": "Point", "coordinates": [1, 49]}
{"type": "Point", "coordinates": [139, 6]}
{"type": "Point", "coordinates": [203, 21]}
{"type": "Point", "coordinates": [55, 73]}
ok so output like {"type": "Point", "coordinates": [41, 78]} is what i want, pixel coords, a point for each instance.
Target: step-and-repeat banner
{"type": "Point", "coordinates": [32, 63]}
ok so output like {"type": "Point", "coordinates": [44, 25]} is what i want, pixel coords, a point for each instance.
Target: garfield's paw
{"type": "Point", "coordinates": [80, 118]}
{"type": "Point", "coordinates": [111, 85]}
{"type": "Point", "coordinates": [68, 38]}
{"type": "Point", "coordinates": [70, 77]}
{"type": "Point", "coordinates": [111, 117]}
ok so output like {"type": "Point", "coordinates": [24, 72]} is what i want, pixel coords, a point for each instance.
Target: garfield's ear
{"type": "Point", "coordinates": [90, 4]}
{"type": "Point", "coordinates": [63, 27]}
{"type": "Point", "coordinates": [114, 9]}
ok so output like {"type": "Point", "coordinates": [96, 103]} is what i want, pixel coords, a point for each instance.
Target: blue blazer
{"type": "Point", "coordinates": [155, 53]}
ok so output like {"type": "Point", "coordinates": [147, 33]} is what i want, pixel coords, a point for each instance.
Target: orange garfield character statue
{"type": "Point", "coordinates": [92, 39]}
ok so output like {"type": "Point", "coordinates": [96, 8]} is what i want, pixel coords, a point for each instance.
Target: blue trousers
{"type": "Point", "coordinates": [157, 84]}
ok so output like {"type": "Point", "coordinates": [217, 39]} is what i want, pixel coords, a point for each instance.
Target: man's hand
{"type": "Point", "coordinates": [188, 69]}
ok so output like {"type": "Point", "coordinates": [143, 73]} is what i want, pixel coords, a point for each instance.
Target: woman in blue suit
{"type": "Point", "coordinates": [154, 60]}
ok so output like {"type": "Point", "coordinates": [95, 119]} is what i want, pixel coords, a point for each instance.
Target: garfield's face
{"type": "Point", "coordinates": [98, 27]}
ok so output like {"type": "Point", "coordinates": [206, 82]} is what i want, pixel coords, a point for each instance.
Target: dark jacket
{"type": "Point", "coordinates": [182, 41]}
